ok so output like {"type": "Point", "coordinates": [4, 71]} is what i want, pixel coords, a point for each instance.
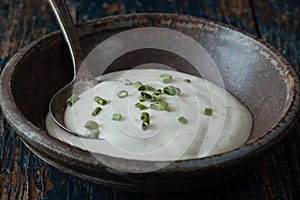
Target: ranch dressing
{"type": "Point", "coordinates": [166, 138]}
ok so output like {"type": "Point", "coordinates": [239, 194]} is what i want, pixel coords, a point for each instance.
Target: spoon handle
{"type": "Point", "coordinates": [65, 21]}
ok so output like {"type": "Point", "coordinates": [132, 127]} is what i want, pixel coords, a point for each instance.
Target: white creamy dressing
{"type": "Point", "coordinates": [165, 139]}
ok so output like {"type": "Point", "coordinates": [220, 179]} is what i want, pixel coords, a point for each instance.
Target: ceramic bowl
{"type": "Point", "coordinates": [251, 70]}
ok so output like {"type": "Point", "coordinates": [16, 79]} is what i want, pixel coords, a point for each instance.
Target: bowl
{"type": "Point", "coordinates": [251, 70]}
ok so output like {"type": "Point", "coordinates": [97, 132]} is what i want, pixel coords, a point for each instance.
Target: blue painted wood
{"type": "Point", "coordinates": [282, 31]}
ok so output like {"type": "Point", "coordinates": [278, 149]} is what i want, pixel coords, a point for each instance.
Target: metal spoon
{"type": "Point", "coordinates": [82, 80]}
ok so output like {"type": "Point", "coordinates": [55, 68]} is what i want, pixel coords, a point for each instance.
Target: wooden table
{"type": "Point", "coordinates": [24, 176]}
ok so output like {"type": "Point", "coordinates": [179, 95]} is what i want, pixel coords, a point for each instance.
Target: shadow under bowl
{"type": "Point", "coordinates": [251, 70]}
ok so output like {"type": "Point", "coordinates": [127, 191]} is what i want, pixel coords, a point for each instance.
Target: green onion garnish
{"type": "Point", "coordinates": [145, 120]}
{"type": "Point", "coordinates": [142, 99]}
{"type": "Point", "coordinates": [91, 125]}
{"type": "Point", "coordinates": [96, 111]}
{"type": "Point", "coordinates": [165, 78]}
{"type": "Point", "coordinates": [99, 100]}
{"type": "Point", "coordinates": [156, 95]}
{"type": "Point", "coordinates": [141, 106]}
{"type": "Point", "coordinates": [182, 120]}
{"type": "Point", "coordinates": [208, 111]}
{"type": "Point", "coordinates": [72, 99]}
{"type": "Point", "coordinates": [150, 88]}
{"type": "Point", "coordinates": [127, 82]}
{"type": "Point", "coordinates": [122, 94]}
{"type": "Point", "coordinates": [187, 80]}
{"type": "Point", "coordinates": [94, 134]}
{"type": "Point", "coordinates": [145, 95]}
{"type": "Point", "coordinates": [171, 90]}
{"type": "Point", "coordinates": [145, 123]}
{"type": "Point", "coordinates": [157, 92]}
{"type": "Point", "coordinates": [139, 86]}
{"type": "Point", "coordinates": [116, 117]}
{"type": "Point", "coordinates": [160, 106]}
{"type": "Point", "coordinates": [144, 115]}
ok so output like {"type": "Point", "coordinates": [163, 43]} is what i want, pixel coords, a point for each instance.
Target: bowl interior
{"type": "Point", "coordinates": [250, 71]}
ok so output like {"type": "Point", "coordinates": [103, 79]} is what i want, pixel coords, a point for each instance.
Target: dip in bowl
{"type": "Point", "coordinates": [251, 70]}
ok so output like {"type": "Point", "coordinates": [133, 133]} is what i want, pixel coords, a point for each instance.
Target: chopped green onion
{"type": "Point", "coordinates": [146, 95]}
{"type": "Point", "coordinates": [165, 78]}
{"type": "Point", "coordinates": [91, 125]}
{"type": "Point", "coordinates": [139, 86]}
{"type": "Point", "coordinates": [141, 106]}
{"type": "Point", "coordinates": [156, 95]}
{"type": "Point", "coordinates": [182, 120]}
{"type": "Point", "coordinates": [150, 88]}
{"type": "Point", "coordinates": [94, 127]}
{"type": "Point", "coordinates": [99, 100]}
{"type": "Point", "coordinates": [122, 94]}
{"type": "Point", "coordinates": [145, 123]}
{"type": "Point", "coordinates": [127, 82]}
{"type": "Point", "coordinates": [160, 106]}
{"type": "Point", "coordinates": [187, 80]}
{"type": "Point", "coordinates": [171, 90]}
{"type": "Point", "coordinates": [157, 92]}
{"type": "Point", "coordinates": [94, 134]}
{"type": "Point", "coordinates": [208, 111]}
{"type": "Point", "coordinates": [96, 111]}
{"type": "Point", "coordinates": [142, 99]}
{"type": "Point", "coordinates": [144, 115]}
{"type": "Point", "coordinates": [116, 117]}
{"type": "Point", "coordinates": [72, 99]}
{"type": "Point", "coordinates": [145, 120]}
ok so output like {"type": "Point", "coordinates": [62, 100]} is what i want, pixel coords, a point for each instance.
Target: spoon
{"type": "Point", "coordinates": [83, 80]}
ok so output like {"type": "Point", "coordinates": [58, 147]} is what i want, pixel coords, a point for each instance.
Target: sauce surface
{"type": "Point", "coordinates": [166, 138]}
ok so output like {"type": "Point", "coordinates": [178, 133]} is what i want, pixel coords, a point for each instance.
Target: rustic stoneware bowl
{"type": "Point", "coordinates": [251, 70]}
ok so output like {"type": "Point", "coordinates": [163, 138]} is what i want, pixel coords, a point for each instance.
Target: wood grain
{"type": "Point", "coordinates": [24, 176]}
{"type": "Point", "coordinates": [282, 32]}
{"type": "Point", "coordinates": [279, 25]}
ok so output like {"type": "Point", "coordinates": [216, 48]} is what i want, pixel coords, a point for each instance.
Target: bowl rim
{"type": "Point", "coordinates": [33, 135]}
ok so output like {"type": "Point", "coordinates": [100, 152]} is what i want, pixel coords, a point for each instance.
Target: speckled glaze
{"type": "Point", "coordinates": [252, 70]}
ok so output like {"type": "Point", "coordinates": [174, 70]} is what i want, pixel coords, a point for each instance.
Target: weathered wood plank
{"type": "Point", "coordinates": [279, 25]}
{"type": "Point", "coordinates": [21, 22]}
{"type": "Point", "coordinates": [282, 30]}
